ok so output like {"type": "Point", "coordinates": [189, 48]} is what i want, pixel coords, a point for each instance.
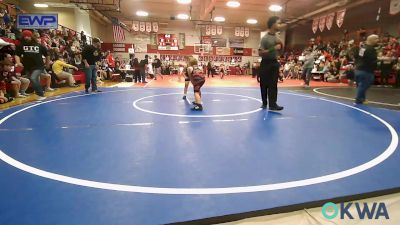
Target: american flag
{"type": "Point", "coordinates": [119, 33]}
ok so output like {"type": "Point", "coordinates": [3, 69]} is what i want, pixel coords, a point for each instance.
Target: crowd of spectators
{"type": "Point", "coordinates": [61, 49]}
{"type": "Point", "coordinates": [61, 56]}
{"type": "Point", "coordinates": [335, 62]}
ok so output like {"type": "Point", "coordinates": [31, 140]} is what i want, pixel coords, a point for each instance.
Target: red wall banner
{"type": "Point", "coordinates": [189, 50]}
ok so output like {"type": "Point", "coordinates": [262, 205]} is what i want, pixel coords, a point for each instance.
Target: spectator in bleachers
{"type": "Point", "coordinates": [366, 65]}
{"type": "Point", "coordinates": [110, 61]}
{"type": "Point", "coordinates": [46, 77]}
{"type": "Point", "coordinates": [143, 68]}
{"type": "Point", "coordinates": [332, 76]}
{"type": "Point", "coordinates": [221, 69]}
{"type": "Point", "coordinates": [309, 60]}
{"type": "Point", "coordinates": [136, 67]}
{"type": "Point", "coordinates": [102, 70]}
{"type": "Point", "coordinates": [286, 69]}
{"type": "Point", "coordinates": [13, 79]}
{"type": "Point", "coordinates": [150, 70]}
{"type": "Point", "coordinates": [78, 60]}
{"type": "Point", "coordinates": [3, 88]}
{"type": "Point", "coordinates": [157, 67]}
{"type": "Point", "coordinates": [29, 55]}
{"type": "Point", "coordinates": [58, 68]}
{"type": "Point", "coordinates": [91, 55]}
{"type": "Point", "coordinates": [387, 63]}
{"type": "Point", "coordinates": [397, 69]}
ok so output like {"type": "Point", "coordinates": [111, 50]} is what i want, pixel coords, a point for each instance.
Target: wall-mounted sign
{"type": "Point", "coordinates": [222, 51]}
{"type": "Point", "coordinates": [238, 51]}
{"type": "Point", "coordinates": [167, 42]}
{"type": "Point", "coordinates": [37, 21]}
{"type": "Point", "coordinates": [218, 42]}
{"type": "Point", "coordinates": [117, 47]}
{"type": "Point", "coordinates": [182, 40]}
{"type": "Point", "coordinates": [236, 42]}
{"type": "Point", "coordinates": [206, 40]}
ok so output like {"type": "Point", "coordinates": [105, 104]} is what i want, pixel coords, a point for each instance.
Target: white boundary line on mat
{"type": "Point", "coordinates": [207, 191]}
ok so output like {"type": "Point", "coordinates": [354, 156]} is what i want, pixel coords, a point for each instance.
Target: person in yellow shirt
{"type": "Point", "coordinates": [58, 69]}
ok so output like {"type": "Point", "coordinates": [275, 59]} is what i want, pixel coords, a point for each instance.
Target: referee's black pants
{"type": "Point", "coordinates": [269, 74]}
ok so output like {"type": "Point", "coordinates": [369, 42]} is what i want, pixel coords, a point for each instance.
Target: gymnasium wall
{"type": "Point", "coordinates": [93, 26]}
{"type": "Point", "coordinates": [361, 16]}
{"type": "Point", "coordinates": [193, 36]}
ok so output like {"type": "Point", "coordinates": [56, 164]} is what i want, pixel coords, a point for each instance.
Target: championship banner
{"type": "Point", "coordinates": [182, 41]}
{"type": "Point", "coordinates": [148, 27]}
{"type": "Point", "coordinates": [315, 25]}
{"type": "Point", "coordinates": [208, 30]}
{"type": "Point", "coordinates": [213, 30]}
{"type": "Point", "coordinates": [247, 32]}
{"type": "Point", "coordinates": [153, 40]}
{"type": "Point", "coordinates": [237, 31]}
{"type": "Point", "coordinates": [219, 30]}
{"type": "Point", "coordinates": [340, 17]}
{"type": "Point", "coordinates": [242, 32]}
{"type": "Point", "coordinates": [322, 21]}
{"type": "Point", "coordinates": [135, 26]}
{"type": "Point", "coordinates": [394, 7]}
{"type": "Point", "coordinates": [155, 27]}
{"type": "Point", "coordinates": [329, 20]}
{"type": "Point", "coordinates": [142, 26]}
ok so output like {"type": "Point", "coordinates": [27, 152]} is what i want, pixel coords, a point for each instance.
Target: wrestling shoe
{"type": "Point", "coordinates": [276, 108]}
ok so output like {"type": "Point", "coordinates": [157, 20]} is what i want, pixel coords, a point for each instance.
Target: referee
{"type": "Point", "coordinates": [269, 68]}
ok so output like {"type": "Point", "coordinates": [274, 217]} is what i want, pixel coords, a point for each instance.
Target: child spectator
{"type": "Point", "coordinates": [58, 68]}
{"type": "Point", "coordinates": [3, 86]}
{"type": "Point", "coordinates": [18, 83]}
{"type": "Point", "coordinates": [397, 69]}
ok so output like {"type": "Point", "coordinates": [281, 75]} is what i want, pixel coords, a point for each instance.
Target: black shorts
{"type": "Point", "coordinates": [198, 82]}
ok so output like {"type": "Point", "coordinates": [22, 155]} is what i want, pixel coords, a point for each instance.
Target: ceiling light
{"type": "Point", "coordinates": [184, 1]}
{"type": "Point", "coordinates": [39, 5]}
{"type": "Point", "coordinates": [142, 13]}
{"type": "Point", "coordinates": [219, 19]}
{"type": "Point", "coordinates": [275, 8]}
{"type": "Point", "coordinates": [233, 4]}
{"type": "Point", "coordinates": [252, 21]}
{"type": "Point", "coordinates": [183, 16]}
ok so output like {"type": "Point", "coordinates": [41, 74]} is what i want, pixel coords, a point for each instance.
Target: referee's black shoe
{"type": "Point", "coordinates": [276, 108]}
{"type": "Point", "coordinates": [264, 106]}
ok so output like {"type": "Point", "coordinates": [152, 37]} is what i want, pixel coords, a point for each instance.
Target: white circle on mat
{"type": "Point", "coordinates": [208, 191]}
{"type": "Point", "coordinates": [135, 105]}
